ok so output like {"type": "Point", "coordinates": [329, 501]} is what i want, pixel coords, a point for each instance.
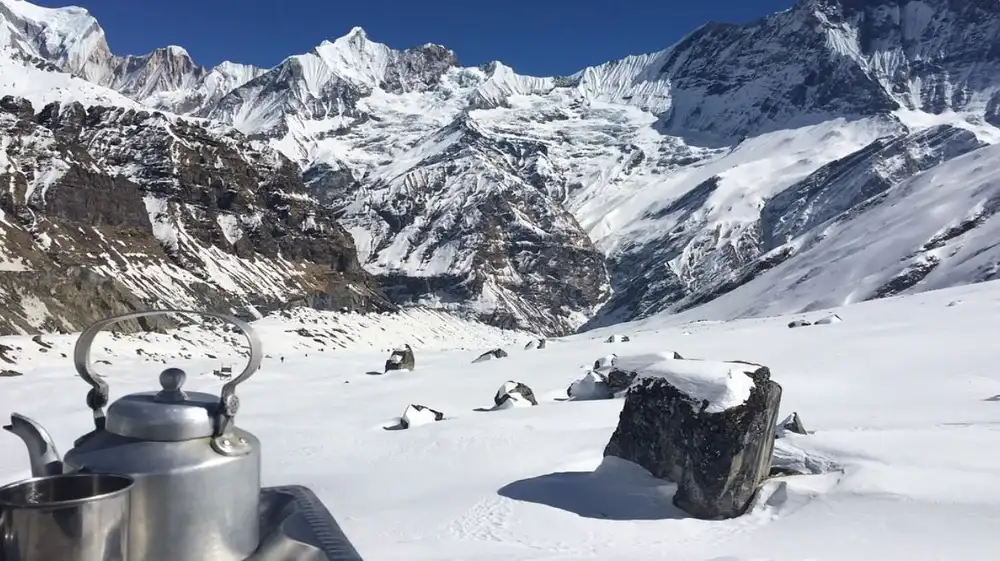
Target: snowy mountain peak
{"type": "Point", "coordinates": [69, 37]}
{"type": "Point", "coordinates": [176, 50]}
{"type": "Point", "coordinates": [356, 33]}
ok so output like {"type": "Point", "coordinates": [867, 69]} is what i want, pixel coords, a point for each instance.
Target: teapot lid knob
{"type": "Point", "coordinates": [171, 381]}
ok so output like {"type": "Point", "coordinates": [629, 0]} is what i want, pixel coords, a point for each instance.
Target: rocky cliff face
{"type": "Point", "coordinates": [111, 209]}
{"type": "Point", "coordinates": [652, 183]}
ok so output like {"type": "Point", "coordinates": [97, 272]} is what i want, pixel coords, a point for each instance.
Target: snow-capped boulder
{"type": "Point", "coordinates": [708, 426]}
{"type": "Point", "coordinates": [401, 359]}
{"type": "Point", "coordinates": [534, 344]}
{"type": "Point", "coordinates": [616, 338]}
{"type": "Point", "coordinates": [490, 355]}
{"type": "Point", "coordinates": [593, 385]}
{"type": "Point", "coordinates": [416, 415]}
{"type": "Point", "coordinates": [514, 394]}
{"type": "Point", "coordinates": [834, 318]}
{"type": "Point", "coordinates": [608, 361]}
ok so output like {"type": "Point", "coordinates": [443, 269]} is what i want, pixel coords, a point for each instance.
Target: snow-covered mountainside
{"type": "Point", "coordinates": [109, 209]}
{"type": "Point", "coordinates": [653, 183]}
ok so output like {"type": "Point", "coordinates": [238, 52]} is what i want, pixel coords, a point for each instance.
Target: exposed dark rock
{"type": "Point", "coordinates": [6, 354]}
{"type": "Point", "coordinates": [401, 359]}
{"type": "Point", "coordinates": [798, 323]}
{"type": "Point", "coordinates": [792, 424]}
{"type": "Point", "coordinates": [717, 459]}
{"type": "Point", "coordinates": [620, 380]}
{"type": "Point", "coordinates": [617, 339]}
{"type": "Point", "coordinates": [513, 391]}
{"type": "Point", "coordinates": [116, 178]}
{"type": "Point", "coordinates": [9, 373]}
{"type": "Point", "coordinates": [490, 355]}
{"type": "Point", "coordinates": [38, 339]}
{"type": "Point", "coordinates": [534, 344]}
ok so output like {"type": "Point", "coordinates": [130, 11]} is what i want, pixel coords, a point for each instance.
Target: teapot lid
{"type": "Point", "coordinates": [170, 414]}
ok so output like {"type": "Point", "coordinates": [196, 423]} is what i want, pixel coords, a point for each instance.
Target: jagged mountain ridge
{"type": "Point", "coordinates": [72, 40]}
{"type": "Point", "coordinates": [664, 160]}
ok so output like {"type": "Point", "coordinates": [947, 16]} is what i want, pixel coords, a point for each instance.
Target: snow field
{"type": "Point", "coordinates": [898, 396]}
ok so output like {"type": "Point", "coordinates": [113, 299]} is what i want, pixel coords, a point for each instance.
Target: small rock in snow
{"type": "Point", "coordinates": [416, 415]}
{"type": "Point", "coordinates": [534, 344]}
{"type": "Point", "coordinates": [834, 318]}
{"type": "Point", "coordinates": [799, 323]}
{"type": "Point", "coordinates": [490, 355]}
{"type": "Point", "coordinates": [514, 394]}
{"type": "Point", "coordinates": [617, 339]}
{"type": "Point", "coordinates": [9, 373]}
{"type": "Point", "coordinates": [400, 359]}
{"type": "Point", "coordinates": [791, 424]}
{"type": "Point", "coordinates": [593, 385]}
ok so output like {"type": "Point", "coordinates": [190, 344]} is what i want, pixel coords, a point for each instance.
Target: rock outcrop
{"type": "Point", "coordinates": [110, 210]}
{"type": "Point", "coordinates": [707, 426]}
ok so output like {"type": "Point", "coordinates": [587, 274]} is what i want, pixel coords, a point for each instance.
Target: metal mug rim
{"type": "Point", "coordinates": [128, 480]}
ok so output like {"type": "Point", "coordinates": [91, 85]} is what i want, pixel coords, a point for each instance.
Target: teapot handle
{"type": "Point", "coordinates": [229, 404]}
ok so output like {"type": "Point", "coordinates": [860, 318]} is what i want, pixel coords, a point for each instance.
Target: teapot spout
{"type": "Point", "coordinates": [41, 449]}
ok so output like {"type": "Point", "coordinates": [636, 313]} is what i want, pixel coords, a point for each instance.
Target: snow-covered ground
{"type": "Point", "coordinates": [898, 395]}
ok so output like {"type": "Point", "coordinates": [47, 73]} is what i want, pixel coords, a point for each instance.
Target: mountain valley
{"type": "Point", "coordinates": [835, 152]}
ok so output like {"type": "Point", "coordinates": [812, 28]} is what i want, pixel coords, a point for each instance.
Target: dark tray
{"type": "Point", "coordinates": [296, 526]}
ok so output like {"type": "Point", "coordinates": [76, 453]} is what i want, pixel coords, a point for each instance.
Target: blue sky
{"type": "Point", "coordinates": [538, 37]}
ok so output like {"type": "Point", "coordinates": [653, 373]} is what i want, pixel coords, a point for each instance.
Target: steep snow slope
{"type": "Point", "coordinates": [936, 229]}
{"type": "Point", "coordinates": [31, 80]}
{"type": "Point", "coordinates": [898, 397]}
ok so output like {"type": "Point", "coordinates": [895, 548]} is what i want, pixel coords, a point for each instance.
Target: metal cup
{"type": "Point", "coordinates": [68, 517]}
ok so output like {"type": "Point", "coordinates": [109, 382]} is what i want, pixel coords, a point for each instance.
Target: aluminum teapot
{"type": "Point", "coordinates": [197, 476]}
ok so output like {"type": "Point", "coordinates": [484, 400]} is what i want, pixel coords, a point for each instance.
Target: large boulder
{"type": "Point", "coordinates": [707, 426]}
{"type": "Point", "coordinates": [401, 359]}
